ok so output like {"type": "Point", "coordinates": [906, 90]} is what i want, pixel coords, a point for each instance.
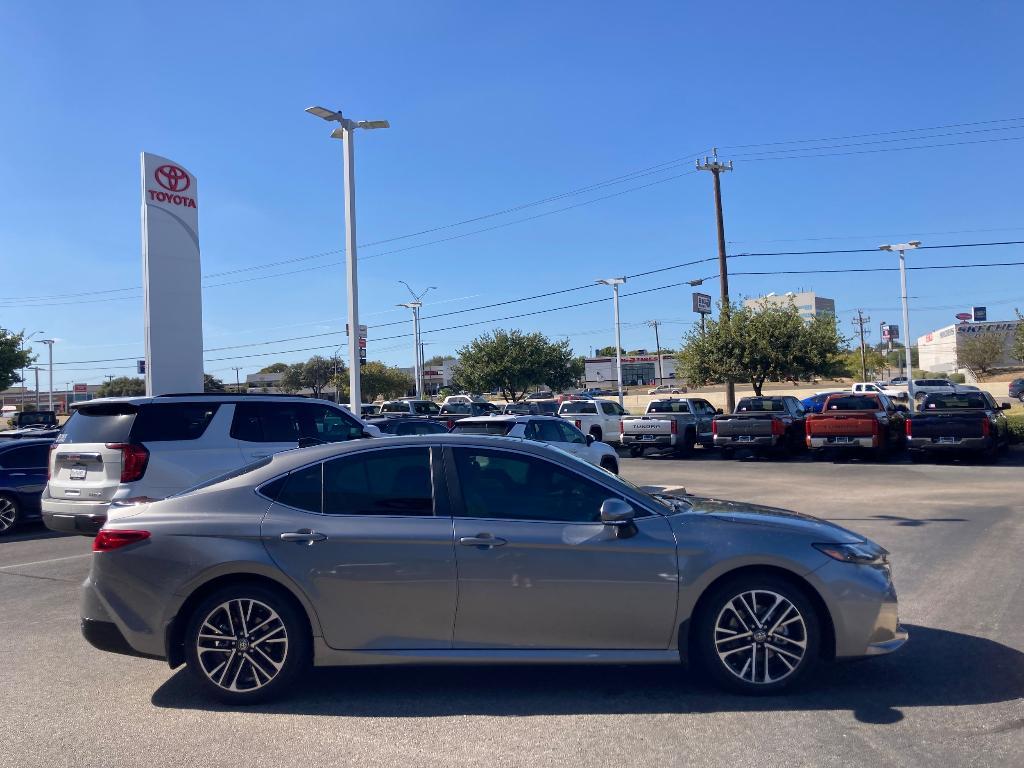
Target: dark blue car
{"type": "Point", "coordinates": [814, 403]}
{"type": "Point", "coordinates": [22, 479]}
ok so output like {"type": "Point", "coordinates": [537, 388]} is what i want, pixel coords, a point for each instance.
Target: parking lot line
{"type": "Point", "coordinates": [44, 562]}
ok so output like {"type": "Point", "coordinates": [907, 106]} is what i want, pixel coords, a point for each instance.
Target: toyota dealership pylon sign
{"type": "Point", "coordinates": [171, 277]}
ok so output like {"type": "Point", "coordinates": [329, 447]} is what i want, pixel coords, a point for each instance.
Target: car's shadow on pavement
{"type": "Point", "coordinates": [30, 532]}
{"type": "Point", "coordinates": [936, 668]}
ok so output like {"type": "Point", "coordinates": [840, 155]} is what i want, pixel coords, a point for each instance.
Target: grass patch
{"type": "Point", "coordinates": [1016, 419]}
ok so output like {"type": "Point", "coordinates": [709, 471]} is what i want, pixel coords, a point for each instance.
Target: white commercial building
{"type": "Point", "coordinates": [937, 351]}
{"type": "Point", "coordinates": [807, 303]}
{"type": "Point", "coordinates": [265, 383]}
{"type": "Point", "coordinates": [435, 375]}
{"type": "Point", "coordinates": [637, 370]}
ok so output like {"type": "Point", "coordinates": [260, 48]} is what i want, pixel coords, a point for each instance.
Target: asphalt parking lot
{"type": "Point", "coordinates": [952, 696]}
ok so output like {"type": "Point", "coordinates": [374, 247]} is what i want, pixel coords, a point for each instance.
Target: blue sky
{"type": "Point", "coordinates": [492, 106]}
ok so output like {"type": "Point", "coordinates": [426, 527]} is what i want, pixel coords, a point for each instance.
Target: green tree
{"type": "Point", "coordinates": [607, 351]}
{"type": "Point", "coordinates": [437, 360]}
{"type": "Point", "coordinates": [212, 384]}
{"type": "Point", "coordinates": [274, 368]}
{"type": "Point", "coordinates": [513, 362]}
{"type": "Point", "coordinates": [12, 357]}
{"type": "Point", "coordinates": [314, 374]}
{"type": "Point", "coordinates": [379, 380]}
{"type": "Point", "coordinates": [1017, 351]}
{"type": "Point", "coordinates": [122, 386]}
{"type": "Point", "coordinates": [876, 362]}
{"type": "Point", "coordinates": [980, 353]}
{"type": "Point", "coordinates": [758, 344]}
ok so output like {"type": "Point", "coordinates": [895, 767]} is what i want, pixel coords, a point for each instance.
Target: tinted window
{"type": "Point", "coordinates": [503, 485]}
{"type": "Point", "coordinates": [612, 409]}
{"type": "Point", "coordinates": [760, 404]}
{"type": "Point", "coordinates": [483, 427]}
{"type": "Point", "coordinates": [460, 408]}
{"type": "Point", "coordinates": [426, 409]}
{"type": "Point", "coordinates": [172, 421]}
{"type": "Point", "coordinates": [397, 406]}
{"type": "Point", "coordinates": [578, 407]}
{"type": "Point", "coordinates": [420, 428]}
{"type": "Point", "coordinates": [933, 402]}
{"type": "Point", "coordinates": [303, 489]}
{"type": "Point", "coordinates": [99, 424]}
{"type": "Point", "coordinates": [246, 423]}
{"type": "Point", "coordinates": [668, 406]}
{"type": "Point", "coordinates": [383, 482]}
{"type": "Point", "coordinates": [570, 434]}
{"type": "Point", "coordinates": [545, 431]}
{"type": "Point", "coordinates": [25, 457]}
{"type": "Point", "coordinates": [325, 423]}
{"type": "Point", "coordinates": [853, 403]}
{"type": "Point", "coordinates": [287, 422]}
{"type": "Point", "coordinates": [546, 407]}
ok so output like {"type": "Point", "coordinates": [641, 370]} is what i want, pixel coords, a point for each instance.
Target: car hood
{"type": "Point", "coordinates": [755, 514]}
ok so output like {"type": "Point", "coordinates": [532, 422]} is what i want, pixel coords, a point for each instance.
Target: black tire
{"type": "Point", "coordinates": [10, 514]}
{"type": "Point", "coordinates": [777, 650]}
{"type": "Point", "coordinates": [916, 456]}
{"type": "Point", "coordinates": [596, 433]}
{"type": "Point", "coordinates": [728, 453]}
{"type": "Point", "coordinates": [686, 449]}
{"type": "Point", "coordinates": [636, 451]}
{"type": "Point", "coordinates": [610, 464]}
{"type": "Point", "coordinates": [294, 659]}
{"type": "Point", "coordinates": [817, 454]}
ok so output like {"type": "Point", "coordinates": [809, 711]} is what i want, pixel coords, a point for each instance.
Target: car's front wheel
{"type": "Point", "coordinates": [756, 634]}
{"type": "Point", "coordinates": [246, 643]}
{"type": "Point", "coordinates": [9, 514]}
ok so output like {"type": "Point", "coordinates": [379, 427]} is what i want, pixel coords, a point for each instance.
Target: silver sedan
{"type": "Point", "coordinates": [457, 549]}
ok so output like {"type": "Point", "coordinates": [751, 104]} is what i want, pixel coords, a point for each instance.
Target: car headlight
{"type": "Point", "coordinates": [861, 553]}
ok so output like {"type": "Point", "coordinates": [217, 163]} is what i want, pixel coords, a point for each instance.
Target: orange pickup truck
{"type": "Point", "coordinates": [855, 421]}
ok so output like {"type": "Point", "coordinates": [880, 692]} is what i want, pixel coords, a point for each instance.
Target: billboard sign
{"type": "Point", "coordinates": [81, 389]}
{"type": "Point", "coordinates": [980, 314]}
{"type": "Point", "coordinates": [702, 303]}
{"type": "Point", "coordinates": [963, 317]}
{"type": "Point", "coordinates": [172, 292]}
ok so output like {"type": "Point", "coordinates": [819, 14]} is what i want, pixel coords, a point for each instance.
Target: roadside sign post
{"type": "Point", "coordinates": [702, 306]}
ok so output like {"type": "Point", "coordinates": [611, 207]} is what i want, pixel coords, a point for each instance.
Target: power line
{"type": "Point", "coordinates": [754, 158]}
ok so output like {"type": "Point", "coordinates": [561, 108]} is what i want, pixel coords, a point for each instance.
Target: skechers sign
{"type": "Point", "coordinates": [174, 181]}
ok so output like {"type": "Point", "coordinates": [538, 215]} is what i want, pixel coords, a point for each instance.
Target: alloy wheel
{"type": "Point", "coordinates": [8, 514]}
{"type": "Point", "coordinates": [242, 645]}
{"type": "Point", "coordinates": [760, 637]}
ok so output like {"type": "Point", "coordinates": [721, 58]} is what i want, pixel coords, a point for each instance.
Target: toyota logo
{"type": "Point", "coordinates": [172, 178]}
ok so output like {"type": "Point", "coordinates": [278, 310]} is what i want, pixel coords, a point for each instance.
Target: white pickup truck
{"type": "Point", "coordinates": [676, 423]}
{"type": "Point", "coordinates": [890, 390]}
{"type": "Point", "coordinates": [599, 418]}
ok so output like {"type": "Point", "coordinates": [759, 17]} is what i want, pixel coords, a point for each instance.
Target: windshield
{"type": "Point", "coordinates": [942, 402]}
{"type": "Point", "coordinates": [761, 404]}
{"type": "Point", "coordinates": [578, 407]}
{"type": "Point", "coordinates": [853, 403]}
{"type": "Point", "coordinates": [668, 406]}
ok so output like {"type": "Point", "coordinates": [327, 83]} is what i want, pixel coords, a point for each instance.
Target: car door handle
{"type": "Point", "coordinates": [482, 540]}
{"type": "Point", "coordinates": [304, 537]}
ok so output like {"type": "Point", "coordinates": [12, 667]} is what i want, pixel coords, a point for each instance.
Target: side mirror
{"type": "Point", "coordinates": [1005, 406]}
{"type": "Point", "coordinates": [616, 512]}
{"type": "Point", "coordinates": [719, 411]}
{"type": "Point", "coordinates": [590, 439]}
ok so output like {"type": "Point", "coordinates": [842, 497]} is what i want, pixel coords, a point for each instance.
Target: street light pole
{"type": "Point", "coordinates": [346, 132]}
{"type": "Point", "coordinates": [417, 345]}
{"type": "Point", "coordinates": [49, 398]}
{"type": "Point", "coordinates": [36, 369]}
{"type": "Point", "coordinates": [615, 282]}
{"type": "Point", "coordinates": [901, 247]}
{"type": "Point", "coordinates": [24, 341]}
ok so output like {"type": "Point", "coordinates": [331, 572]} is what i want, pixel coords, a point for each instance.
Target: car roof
{"type": "Point", "coordinates": [518, 418]}
{"type": "Point", "coordinates": [219, 397]}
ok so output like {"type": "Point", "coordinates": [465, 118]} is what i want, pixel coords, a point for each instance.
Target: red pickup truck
{"type": "Point", "coordinates": [858, 421]}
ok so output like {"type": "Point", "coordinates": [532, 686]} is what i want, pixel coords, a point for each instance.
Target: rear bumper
{"type": "Point", "coordinates": [82, 517]}
{"type": "Point", "coordinates": [105, 636]}
{"type": "Point", "coordinates": [964, 444]}
{"type": "Point", "coordinates": [830, 442]}
{"type": "Point", "coordinates": [648, 441]}
{"type": "Point", "coordinates": [755, 441]}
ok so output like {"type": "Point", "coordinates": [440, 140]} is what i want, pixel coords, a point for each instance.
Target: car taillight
{"type": "Point", "coordinates": [986, 428]}
{"type": "Point", "coordinates": [778, 428]}
{"type": "Point", "coordinates": [134, 458]}
{"type": "Point", "coordinates": [908, 428]}
{"type": "Point", "coordinates": [107, 540]}
{"type": "Point", "coordinates": [622, 426]}
{"type": "Point", "coordinates": [451, 423]}
{"type": "Point", "coordinates": [714, 428]}
{"type": "Point", "coordinates": [675, 427]}
{"type": "Point", "coordinates": [579, 424]}
{"type": "Point", "coordinates": [50, 460]}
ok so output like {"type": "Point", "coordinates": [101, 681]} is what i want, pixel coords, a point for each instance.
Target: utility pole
{"type": "Point", "coordinates": [238, 384]}
{"type": "Point", "coordinates": [36, 369]}
{"type": "Point", "coordinates": [657, 344]}
{"type": "Point", "coordinates": [901, 247]}
{"type": "Point", "coordinates": [49, 398]}
{"type": "Point", "coordinates": [615, 282]}
{"type": "Point", "coordinates": [715, 166]}
{"type": "Point", "coordinates": [859, 322]}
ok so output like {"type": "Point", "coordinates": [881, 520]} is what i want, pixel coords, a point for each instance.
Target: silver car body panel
{"type": "Point", "coordinates": [555, 592]}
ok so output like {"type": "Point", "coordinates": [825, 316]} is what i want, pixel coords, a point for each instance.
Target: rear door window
{"type": "Point", "coordinates": [287, 422]}
{"type": "Point", "coordinates": [110, 423]}
{"type": "Point", "coordinates": [25, 457]}
{"type": "Point", "coordinates": [302, 489]}
{"type": "Point", "coordinates": [384, 482]}
{"type": "Point", "coordinates": [172, 421]}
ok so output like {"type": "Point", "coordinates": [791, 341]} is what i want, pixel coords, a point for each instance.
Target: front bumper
{"type": "Point", "coordinates": [888, 646]}
{"type": "Point", "coordinates": [84, 518]}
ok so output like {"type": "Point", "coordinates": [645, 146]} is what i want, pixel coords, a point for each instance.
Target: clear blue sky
{"type": "Point", "coordinates": [493, 105]}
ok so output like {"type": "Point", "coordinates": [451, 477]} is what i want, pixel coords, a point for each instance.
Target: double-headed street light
{"type": "Point", "coordinates": [615, 282]}
{"type": "Point", "coordinates": [345, 132]}
{"type": "Point", "coordinates": [417, 346]}
{"type": "Point", "coordinates": [901, 247]}
{"type": "Point", "coordinates": [49, 400]}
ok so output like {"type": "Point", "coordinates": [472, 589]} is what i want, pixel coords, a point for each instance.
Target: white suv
{"type": "Point", "coordinates": [116, 450]}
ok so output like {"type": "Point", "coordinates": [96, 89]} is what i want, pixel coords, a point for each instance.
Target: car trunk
{"type": "Point", "coordinates": [86, 460]}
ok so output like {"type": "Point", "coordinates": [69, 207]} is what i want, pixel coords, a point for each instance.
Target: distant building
{"type": "Point", "coordinates": [637, 370]}
{"type": "Point", "coordinates": [264, 383]}
{"type": "Point", "coordinates": [807, 303]}
{"type": "Point", "coordinates": [435, 376]}
{"type": "Point", "coordinates": [937, 351]}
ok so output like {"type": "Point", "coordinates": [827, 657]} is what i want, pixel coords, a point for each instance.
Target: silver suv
{"type": "Point", "coordinates": [126, 450]}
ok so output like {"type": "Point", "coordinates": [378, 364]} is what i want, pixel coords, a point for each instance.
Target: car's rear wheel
{"type": "Point", "coordinates": [636, 451]}
{"type": "Point", "coordinates": [10, 513]}
{"type": "Point", "coordinates": [757, 634]}
{"type": "Point", "coordinates": [246, 643]}
{"type": "Point", "coordinates": [686, 448]}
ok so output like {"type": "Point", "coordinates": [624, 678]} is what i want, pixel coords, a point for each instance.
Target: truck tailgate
{"type": "Point", "coordinates": [940, 424]}
{"type": "Point", "coordinates": [842, 424]}
{"type": "Point", "coordinates": [754, 425]}
{"type": "Point", "coordinates": [645, 425]}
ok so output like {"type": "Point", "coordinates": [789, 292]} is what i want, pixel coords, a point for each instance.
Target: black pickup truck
{"type": "Point", "coordinates": [763, 424]}
{"type": "Point", "coordinates": [965, 422]}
